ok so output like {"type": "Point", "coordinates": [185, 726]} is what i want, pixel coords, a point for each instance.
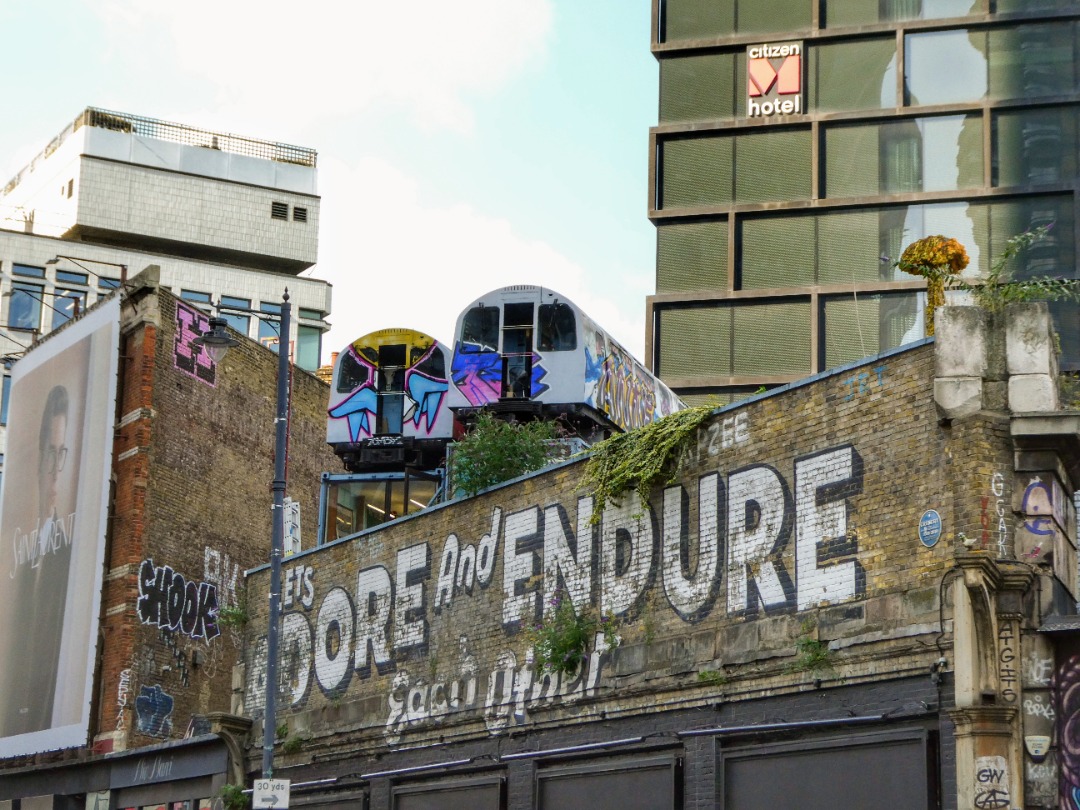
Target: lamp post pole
{"type": "Point", "coordinates": [216, 342]}
{"type": "Point", "coordinates": [277, 539]}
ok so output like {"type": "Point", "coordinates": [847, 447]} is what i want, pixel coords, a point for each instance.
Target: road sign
{"type": "Point", "coordinates": [270, 794]}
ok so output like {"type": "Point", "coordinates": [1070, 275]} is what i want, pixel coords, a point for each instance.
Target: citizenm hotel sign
{"type": "Point", "coordinates": [774, 80]}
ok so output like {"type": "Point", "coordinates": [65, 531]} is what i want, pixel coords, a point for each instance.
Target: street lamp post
{"type": "Point", "coordinates": [217, 341]}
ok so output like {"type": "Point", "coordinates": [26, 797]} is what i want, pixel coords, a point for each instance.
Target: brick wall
{"type": "Point", "coordinates": [793, 528]}
{"type": "Point", "coordinates": [191, 512]}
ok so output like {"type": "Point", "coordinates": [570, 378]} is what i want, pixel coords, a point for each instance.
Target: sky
{"type": "Point", "coordinates": [462, 146]}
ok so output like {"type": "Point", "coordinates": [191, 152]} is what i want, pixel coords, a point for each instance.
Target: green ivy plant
{"type": "Point", "coordinates": [234, 798]}
{"type": "Point", "coordinates": [292, 745]}
{"type": "Point", "coordinates": [640, 459]}
{"type": "Point", "coordinates": [561, 640]}
{"type": "Point", "coordinates": [999, 288]}
{"type": "Point", "coordinates": [496, 451]}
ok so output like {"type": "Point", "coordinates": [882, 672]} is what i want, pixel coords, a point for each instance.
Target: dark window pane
{"type": "Point", "coordinates": [311, 314]}
{"type": "Point", "coordinates": [1035, 146]}
{"type": "Point", "coordinates": [480, 328]}
{"type": "Point", "coordinates": [854, 75]}
{"type": "Point", "coordinates": [67, 277]}
{"type": "Point", "coordinates": [692, 256]}
{"type": "Point", "coordinates": [233, 301]}
{"type": "Point", "coordinates": [108, 283]}
{"type": "Point", "coordinates": [351, 373]}
{"type": "Point", "coordinates": [27, 270]}
{"type": "Point", "coordinates": [558, 328]}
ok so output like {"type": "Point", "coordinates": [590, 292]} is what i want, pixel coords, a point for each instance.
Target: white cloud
{"type": "Point", "coordinates": [324, 60]}
{"type": "Point", "coordinates": [396, 261]}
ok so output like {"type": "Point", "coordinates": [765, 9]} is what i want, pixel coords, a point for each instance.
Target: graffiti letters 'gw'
{"type": "Point", "coordinates": [743, 538]}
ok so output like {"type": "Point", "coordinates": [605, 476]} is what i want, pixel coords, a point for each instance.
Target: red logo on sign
{"type": "Point", "coordinates": [762, 76]}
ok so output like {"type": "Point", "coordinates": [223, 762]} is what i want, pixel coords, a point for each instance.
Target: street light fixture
{"type": "Point", "coordinates": [217, 341]}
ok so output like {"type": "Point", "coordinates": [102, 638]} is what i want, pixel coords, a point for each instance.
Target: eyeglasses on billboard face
{"type": "Point", "coordinates": [54, 459]}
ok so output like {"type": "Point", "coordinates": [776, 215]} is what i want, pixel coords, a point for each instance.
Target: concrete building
{"type": "Point", "coordinates": [128, 521]}
{"type": "Point", "coordinates": [856, 588]}
{"type": "Point", "coordinates": [228, 220]}
{"type": "Point", "coordinates": [802, 144]}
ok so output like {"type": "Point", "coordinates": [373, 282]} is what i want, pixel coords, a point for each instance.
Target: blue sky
{"type": "Point", "coordinates": [462, 146]}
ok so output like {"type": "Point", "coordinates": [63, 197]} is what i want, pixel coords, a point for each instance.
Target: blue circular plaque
{"type": "Point", "coordinates": [930, 528]}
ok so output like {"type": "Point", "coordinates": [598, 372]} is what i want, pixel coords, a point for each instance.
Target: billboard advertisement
{"type": "Point", "coordinates": [53, 510]}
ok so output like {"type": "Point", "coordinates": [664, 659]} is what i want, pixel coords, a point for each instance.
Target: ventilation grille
{"type": "Point", "coordinates": [279, 210]}
{"type": "Point", "coordinates": [299, 214]}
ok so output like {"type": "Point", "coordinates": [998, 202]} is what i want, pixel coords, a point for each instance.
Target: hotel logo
{"type": "Point", "coordinates": [774, 79]}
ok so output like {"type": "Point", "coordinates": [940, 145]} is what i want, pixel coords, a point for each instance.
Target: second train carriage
{"type": "Point", "coordinates": [388, 401]}
{"type": "Point", "coordinates": [529, 351]}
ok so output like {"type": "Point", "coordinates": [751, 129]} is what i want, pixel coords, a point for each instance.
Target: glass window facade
{"type": "Point", "coordinates": [708, 19]}
{"type": "Point", "coordinates": [308, 347]}
{"type": "Point", "coordinates": [24, 307]}
{"type": "Point", "coordinates": [722, 169]}
{"type": "Point", "coordinates": [66, 303]}
{"type": "Point", "coordinates": [958, 117]}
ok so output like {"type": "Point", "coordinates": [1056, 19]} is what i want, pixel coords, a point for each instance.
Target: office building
{"type": "Point", "coordinates": [803, 144]}
{"type": "Point", "coordinates": [228, 220]}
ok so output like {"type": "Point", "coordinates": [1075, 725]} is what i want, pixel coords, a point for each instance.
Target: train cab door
{"type": "Point", "coordinates": [391, 388]}
{"type": "Point", "coordinates": [517, 353]}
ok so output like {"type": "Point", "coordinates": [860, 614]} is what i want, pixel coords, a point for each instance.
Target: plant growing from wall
{"type": "Point", "coordinates": [496, 451]}
{"type": "Point", "coordinates": [999, 288]}
{"type": "Point", "coordinates": [233, 616]}
{"type": "Point", "coordinates": [811, 653]}
{"type": "Point", "coordinates": [640, 459]}
{"type": "Point", "coordinates": [938, 259]}
{"type": "Point", "coordinates": [561, 640]}
{"type": "Point", "coordinates": [233, 798]}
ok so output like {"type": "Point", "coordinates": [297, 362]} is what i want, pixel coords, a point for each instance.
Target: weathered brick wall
{"type": "Point", "coordinates": [793, 526]}
{"type": "Point", "coordinates": [193, 465]}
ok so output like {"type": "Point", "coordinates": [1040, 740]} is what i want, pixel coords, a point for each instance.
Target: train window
{"type": "Point", "coordinates": [517, 329]}
{"type": "Point", "coordinates": [351, 374]}
{"type": "Point", "coordinates": [480, 328]}
{"type": "Point", "coordinates": [558, 331]}
{"type": "Point", "coordinates": [433, 366]}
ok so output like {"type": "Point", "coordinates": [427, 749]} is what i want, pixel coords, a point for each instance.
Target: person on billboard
{"type": "Point", "coordinates": [42, 558]}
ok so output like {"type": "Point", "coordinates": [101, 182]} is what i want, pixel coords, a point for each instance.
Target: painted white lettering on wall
{"type": "Point", "coordinates": [733, 532]}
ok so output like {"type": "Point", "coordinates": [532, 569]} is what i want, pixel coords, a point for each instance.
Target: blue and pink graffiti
{"type": "Point", "coordinates": [478, 374]}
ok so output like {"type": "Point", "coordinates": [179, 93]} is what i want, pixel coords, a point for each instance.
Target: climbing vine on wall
{"type": "Point", "coordinates": [640, 459]}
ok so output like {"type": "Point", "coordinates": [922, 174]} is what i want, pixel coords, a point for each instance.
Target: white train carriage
{"type": "Point", "coordinates": [529, 351]}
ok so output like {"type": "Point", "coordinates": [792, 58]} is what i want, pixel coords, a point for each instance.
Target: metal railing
{"type": "Point", "coordinates": [176, 133]}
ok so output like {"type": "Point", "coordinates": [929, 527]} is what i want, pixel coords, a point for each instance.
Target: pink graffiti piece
{"type": "Point", "coordinates": [1038, 500]}
{"type": "Point", "coordinates": [190, 324]}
